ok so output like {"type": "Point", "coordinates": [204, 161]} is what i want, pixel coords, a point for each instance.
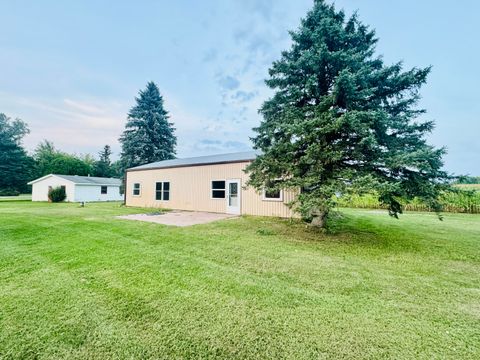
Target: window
{"type": "Point", "coordinates": [162, 191]}
{"type": "Point", "coordinates": [136, 189]}
{"type": "Point", "coordinates": [63, 188]}
{"type": "Point", "coordinates": [103, 190]}
{"type": "Point", "coordinates": [218, 189]}
{"type": "Point", "coordinates": [274, 195]}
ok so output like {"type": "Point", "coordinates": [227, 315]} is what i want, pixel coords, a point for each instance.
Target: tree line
{"type": "Point", "coordinates": [148, 137]}
{"type": "Point", "coordinates": [468, 180]}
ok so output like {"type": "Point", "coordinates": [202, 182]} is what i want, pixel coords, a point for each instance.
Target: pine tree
{"type": "Point", "coordinates": [341, 119]}
{"type": "Point", "coordinates": [105, 154]}
{"type": "Point", "coordinates": [148, 136]}
{"type": "Point", "coordinates": [103, 167]}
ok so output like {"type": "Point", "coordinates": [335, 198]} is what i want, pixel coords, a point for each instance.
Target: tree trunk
{"type": "Point", "coordinates": [319, 218]}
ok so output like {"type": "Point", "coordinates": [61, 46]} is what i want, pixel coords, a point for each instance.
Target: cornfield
{"type": "Point", "coordinates": [458, 202]}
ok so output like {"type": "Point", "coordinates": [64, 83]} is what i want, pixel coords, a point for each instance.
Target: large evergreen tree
{"type": "Point", "coordinates": [340, 119]}
{"type": "Point", "coordinates": [15, 164]}
{"type": "Point", "coordinates": [148, 136]}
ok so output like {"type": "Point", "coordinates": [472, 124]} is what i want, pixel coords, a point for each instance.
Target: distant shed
{"type": "Point", "coordinates": [78, 188]}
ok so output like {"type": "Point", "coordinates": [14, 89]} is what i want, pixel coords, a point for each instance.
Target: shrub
{"type": "Point", "coordinates": [57, 194]}
{"type": "Point", "coordinates": [9, 192]}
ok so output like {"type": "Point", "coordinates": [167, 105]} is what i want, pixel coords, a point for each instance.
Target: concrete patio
{"type": "Point", "coordinates": [179, 218]}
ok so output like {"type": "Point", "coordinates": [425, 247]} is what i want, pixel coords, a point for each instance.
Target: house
{"type": "Point", "coordinates": [77, 188]}
{"type": "Point", "coordinates": [206, 183]}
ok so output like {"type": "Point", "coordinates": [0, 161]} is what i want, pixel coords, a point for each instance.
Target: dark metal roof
{"type": "Point", "coordinates": [200, 160]}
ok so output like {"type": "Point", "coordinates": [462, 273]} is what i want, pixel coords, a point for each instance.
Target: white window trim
{"type": "Point", "coordinates": [139, 190]}
{"type": "Point", "coordinates": [264, 198]}
{"type": "Point", "coordinates": [211, 189]}
{"type": "Point", "coordinates": [161, 191]}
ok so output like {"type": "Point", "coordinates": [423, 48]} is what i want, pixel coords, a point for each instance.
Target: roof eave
{"type": "Point", "coordinates": [190, 165]}
{"type": "Point", "coordinates": [45, 177]}
{"type": "Point", "coordinates": [90, 184]}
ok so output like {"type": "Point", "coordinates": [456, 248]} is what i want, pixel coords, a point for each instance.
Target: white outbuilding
{"type": "Point", "coordinates": [77, 188]}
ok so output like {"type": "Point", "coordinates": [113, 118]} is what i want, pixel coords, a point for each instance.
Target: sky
{"type": "Point", "coordinates": [72, 69]}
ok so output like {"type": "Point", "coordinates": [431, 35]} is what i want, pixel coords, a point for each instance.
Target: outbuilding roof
{"type": "Point", "coordinates": [200, 160]}
{"type": "Point", "coordinates": [84, 180]}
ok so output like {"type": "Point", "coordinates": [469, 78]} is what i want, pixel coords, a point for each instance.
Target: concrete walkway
{"type": "Point", "coordinates": [179, 218]}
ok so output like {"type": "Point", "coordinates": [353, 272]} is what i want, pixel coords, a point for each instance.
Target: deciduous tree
{"type": "Point", "coordinates": [15, 165]}
{"type": "Point", "coordinates": [49, 160]}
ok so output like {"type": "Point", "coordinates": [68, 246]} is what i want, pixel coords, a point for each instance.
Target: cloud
{"type": "Point", "coordinates": [218, 146]}
{"type": "Point", "coordinates": [244, 96]}
{"type": "Point", "coordinates": [210, 142]}
{"type": "Point", "coordinates": [255, 41]}
{"type": "Point", "coordinates": [83, 107]}
{"type": "Point", "coordinates": [198, 134]}
{"type": "Point", "coordinates": [213, 111]}
{"type": "Point", "coordinates": [204, 134]}
{"type": "Point", "coordinates": [237, 145]}
{"type": "Point", "coordinates": [86, 125]}
{"type": "Point", "coordinates": [262, 8]}
{"type": "Point", "coordinates": [228, 82]}
{"type": "Point", "coordinates": [210, 55]}
{"type": "Point", "coordinates": [73, 125]}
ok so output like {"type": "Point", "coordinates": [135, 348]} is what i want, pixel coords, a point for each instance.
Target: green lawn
{"type": "Point", "coordinates": [78, 283]}
{"type": "Point", "coordinates": [21, 197]}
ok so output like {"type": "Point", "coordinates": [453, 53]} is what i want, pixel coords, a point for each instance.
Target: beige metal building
{"type": "Point", "coordinates": [206, 183]}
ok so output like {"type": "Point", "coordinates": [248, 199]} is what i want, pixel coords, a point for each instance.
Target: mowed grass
{"type": "Point", "coordinates": [21, 197]}
{"type": "Point", "coordinates": [78, 283]}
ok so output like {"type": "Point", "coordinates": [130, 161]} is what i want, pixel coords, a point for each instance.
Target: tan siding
{"type": "Point", "coordinates": [190, 189]}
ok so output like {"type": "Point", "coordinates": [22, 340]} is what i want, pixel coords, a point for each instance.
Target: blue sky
{"type": "Point", "coordinates": [71, 69]}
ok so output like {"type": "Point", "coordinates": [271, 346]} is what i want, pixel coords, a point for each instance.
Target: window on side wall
{"type": "Point", "coordinates": [218, 189]}
{"type": "Point", "coordinates": [162, 190]}
{"type": "Point", "coordinates": [136, 189]}
{"type": "Point", "coordinates": [103, 190]}
{"type": "Point", "coordinates": [273, 195]}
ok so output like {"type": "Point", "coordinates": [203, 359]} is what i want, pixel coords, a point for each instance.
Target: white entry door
{"type": "Point", "coordinates": [233, 196]}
